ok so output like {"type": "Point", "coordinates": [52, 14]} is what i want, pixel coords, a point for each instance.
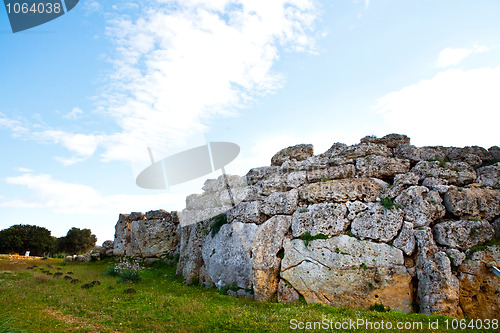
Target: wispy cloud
{"type": "Point", "coordinates": [455, 107]}
{"type": "Point", "coordinates": [74, 114]}
{"type": "Point", "coordinates": [65, 197]}
{"type": "Point", "coordinates": [454, 56]}
{"type": "Point", "coordinates": [178, 67]}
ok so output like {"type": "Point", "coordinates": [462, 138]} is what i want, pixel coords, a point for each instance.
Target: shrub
{"type": "Point", "coordinates": [218, 222]}
{"type": "Point", "coordinates": [379, 308]}
{"type": "Point", "coordinates": [307, 237]}
{"type": "Point", "coordinates": [129, 276]}
{"type": "Point", "coordinates": [112, 271]}
{"type": "Point", "coordinates": [388, 203]}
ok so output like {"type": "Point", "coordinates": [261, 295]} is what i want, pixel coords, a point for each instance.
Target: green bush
{"type": "Point", "coordinates": [307, 237]}
{"type": "Point", "coordinates": [112, 271]}
{"type": "Point", "coordinates": [218, 222]}
{"type": "Point", "coordinates": [388, 203]}
{"type": "Point", "coordinates": [129, 276]}
{"type": "Point", "coordinates": [379, 308]}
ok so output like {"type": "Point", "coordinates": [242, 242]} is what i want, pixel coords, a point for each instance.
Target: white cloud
{"type": "Point", "coordinates": [177, 69]}
{"type": "Point", "coordinates": [453, 56]}
{"type": "Point", "coordinates": [82, 145]}
{"type": "Point", "coordinates": [455, 107]}
{"type": "Point", "coordinates": [64, 197]}
{"type": "Point", "coordinates": [74, 114]}
{"type": "Point", "coordinates": [24, 170]}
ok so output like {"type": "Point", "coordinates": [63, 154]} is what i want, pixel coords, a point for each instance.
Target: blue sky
{"type": "Point", "coordinates": [83, 96]}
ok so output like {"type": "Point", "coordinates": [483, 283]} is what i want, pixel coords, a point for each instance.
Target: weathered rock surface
{"type": "Point", "coordinates": [420, 154]}
{"type": "Point", "coordinates": [405, 241]}
{"type": "Point", "coordinates": [496, 226]}
{"type": "Point", "coordinates": [228, 255]}
{"type": "Point", "coordinates": [489, 175]}
{"type": "Point", "coordinates": [474, 156]}
{"type": "Point", "coordinates": [343, 271]}
{"type": "Point", "coordinates": [377, 223]}
{"type": "Point", "coordinates": [390, 140]}
{"type": "Point", "coordinates": [330, 173]}
{"type": "Point", "coordinates": [248, 212]}
{"type": "Point", "coordinates": [256, 175]}
{"type": "Point", "coordinates": [457, 173]}
{"type": "Point", "coordinates": [153, 238]}
{"type": "Point", "coordinates": [381, 166]}
{"type": "Point", "coordinates": [479, 286]}
{"type": "Point", "coordinates": [474, 203]}
{"type": "Point", "coordinates": [122, 235]}
{"type": "Point", "coordinates": [456, 257]}
{"type": "Point", "coordinates": [298, 153]}
{"type": "Point", "coordinates": [267, 242]}
{"type": "Point", "coordinates": [190, 257]}
{"type": "Point", "coordinates": [342, 190]}
{"type": "Point", "coordinates": [280, 203]}
{"type": "Point", "coordinates": [286, 293]}
{"type": "Point", "coordinates": [438, 288]}
{"type": "Point", "coordinates": [401, 182]}
{"type": "Point", "coordinates": [349, 154]}
{"type": "Point", "coordinates": [323, 218]}
{"type": "Point", "coordinates": [421, 206]}
{"type": "Point", "coordinates": [463, 234]}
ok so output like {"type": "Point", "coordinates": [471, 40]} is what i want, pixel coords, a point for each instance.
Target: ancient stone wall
{"type": "Point", "coordinates": [382, 221]}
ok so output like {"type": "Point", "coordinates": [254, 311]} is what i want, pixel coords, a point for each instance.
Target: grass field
{"type": "Point", "coordinates": [32, 301]}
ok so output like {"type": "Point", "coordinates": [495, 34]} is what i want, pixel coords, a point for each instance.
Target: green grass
{"type": "Point", "coordinates": [388, 203]}
{"type": "Point", "coordinates": [492, 242]}
{"type": "Point", "coordinates": [217, 222]}
{"type": "Point", "coordinates": [307, 237]}
{"type": "Point", "coordinates": [34, 302]}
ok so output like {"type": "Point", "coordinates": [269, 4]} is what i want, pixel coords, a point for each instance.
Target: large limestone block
{"type": "Point", "coordinates": [342, 190]}
{"type": "Point", "coordinates": [192, 216]}
{"type": "Point", "coordinates": [268, 241]}
{"type": "Point", "coordinates": [349, 154]}
{"type": "Point", "coordinates": [152, 238]}
{"type": "Point", "coordinates": [421, 153]}
{"type": "Point", "coordinates": [334, 172]}
{"type": "Point", "coordinates": [463, 235]}
{"type": "Point", "coordinates": [457, 173]}
{"type": "Point", "coordinates": [286, 293]}
{"type": "Point", "coordinates": [228, 255]}
{"type": "Point", "coordinates": [122, 235]}
{"type": "Point", "coordinates": [277, 182]}
{"type": "Point", "coordinates": [256, 175]}
{"type": "Point", "coordinates": [323, 218]}
{"type": "Point", "coordinates": [421, 206]}
{"type": "Point", "coordinates": [438, 288]}
{"type": "Point", "coordinates": [479, 286]}
{"type": "Point", "coordinates": [401, 183]}
{"type": "Point", "coordinates": [377, 223]}
{"type": "Point", "coordinates": [218, 185]}
{"type": "Point", "coordinates": [248, 212]}
{"type": "Point", "coordinates": [343, 271]}
{"type": "Point", "coordinates": [390, 140]}
{"type": "Point", "coordinates": [475, 203]}
{"type": "Point", "coordinates": [203, 201]}
{"type": "Point", "coordinates": [474, 156]}
{"type": "Point", "coordinates": [280, 203]}
{"type": "Point", "coordinates": [489, 175]}
{"type": "Point", "coordinates": [405, 241]}
{"type": "Point", "coordinates": [381, 166]}
{"type": "Point", "coordinates": [298, 153]}
{"type": "Point", "coordinates": [190, 257]}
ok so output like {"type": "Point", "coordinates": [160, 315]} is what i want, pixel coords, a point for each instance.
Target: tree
{"type": "Point", "coordinates": [76, 241]}
{"type": "Point", "coordinates": [24, 237]}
